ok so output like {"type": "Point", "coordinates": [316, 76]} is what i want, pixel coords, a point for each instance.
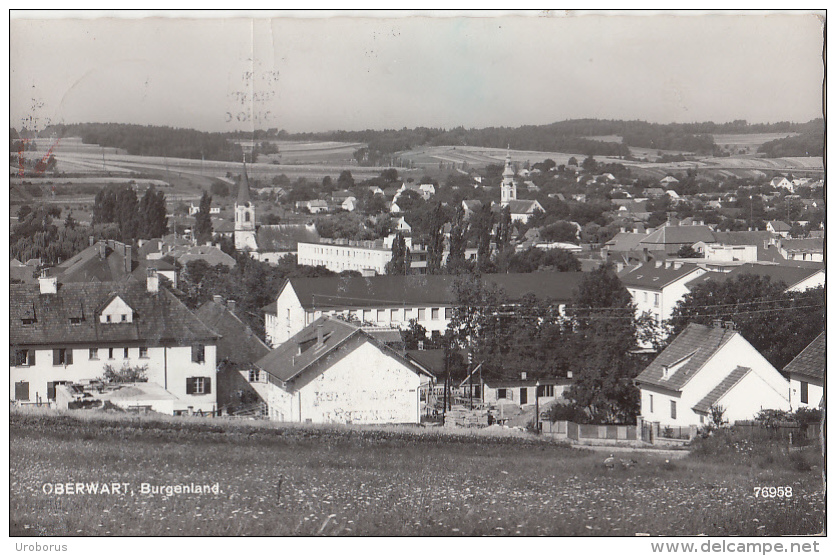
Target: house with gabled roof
{"type": "Point", "coordinates": [806, 375]}
{"type": "Point", "coordinates": [807, 249]}
{"type": "Point", "coordinates": [706, 367]}
{"type": "Point", "coordinates": [672, 237]}
{"type": "Point", "coordinates": [68, 333]}
{"type": "Point", "coordinates": [778, 227]}
{"type": "Point", "coordinates": [657, 286]}
{"type": "Point", "coordinates": [332, 371]}
{"type": "Point", "coordinates": [797, 278]}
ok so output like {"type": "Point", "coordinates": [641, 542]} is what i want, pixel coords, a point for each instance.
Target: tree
{"type": "Point", "coordinates": [560, 231]}
{"type": "Point", "coordinates": [69, 222]}
{"type": "Point", "coordinates": [219, 189]}
{"type": "Point", "coordinates": [481, 227]}
{"type": "Point", "coordinates": [203, 220]}
{"type": "Point", "coordinates": [389, 175]}
{"type": "Point", "coordinates": [590, 164]}
{"type": "Point", "coordinates": [152, 211]}
{"type": "Point", "coordinates": [777, 323]}
{"type": "Point", "coordinates": [126, 213]}
{"type": "Point", "coordinates": [503, 230]}
{"type": "Point", "coordinates": [401, 259]}
{"type": "Point", "coordinates": [572, 161]}
{"type": "Point", "coordinates": [456, 261]}
{"type": "Point", "coordinates": [413, 334]}
{"type": "Point", "coordinates": [435, 245]}
{"type": "Point", "coordinates": [124, 375]}
{"type": "Point", "coordinates": [688, 252]}
{"type": "Point", "coordinates": [534, 259]}
{"type": "Point", "coordinates": [604, 335]}
{"type": "Point", "coordinates": [345, 181]}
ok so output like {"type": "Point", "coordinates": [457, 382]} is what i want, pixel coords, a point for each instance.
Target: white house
{"type": "Point", "coordinates": [393, 301]}
{"type": "Point", "coordinates": [807, 249]}
{"type": "Point", "coordinates": [334, 372]}
{"type": "Point", "coordinates": [522, 391]}
{"type": "Point", "coordinates": [783, 182]}
{"type": "Point", "coordinates": [70, 332]}
{"type": "Point", "coordinates": [778, 227]}
{"type": "Point", "coordinates": [806, 375]}
{"type": "Point", "coordinates": [657, 286]}
{"type": "Point", "coordinates": [705, 367]}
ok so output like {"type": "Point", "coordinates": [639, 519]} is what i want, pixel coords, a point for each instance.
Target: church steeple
{"type": "Point", "coordinates": [245, 238]}
{"type": "Point", "coordinates": [244, 187]}
{"type": "Point", "coordinates": [508, 189]}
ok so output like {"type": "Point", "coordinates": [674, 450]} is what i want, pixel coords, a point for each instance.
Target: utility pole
{"type": "Point", "coordinates": [537, 406]}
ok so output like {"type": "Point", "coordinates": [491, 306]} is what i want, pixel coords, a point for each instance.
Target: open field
{"type": "Point", "coordinates": [736, 141]}
{"type": "Point", "coordinates": [345, 480]}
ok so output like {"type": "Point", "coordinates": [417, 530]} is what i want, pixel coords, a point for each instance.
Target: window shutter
{"type": "Point", "coordinates": [22, 391]}
{"type": "Point", "coordinates": [50, 390]}
{"type": "Point", "coordinates": [12, 358]}
{"type": "Point", "coordinates": [56, 357]}
{"type": "Point", "coordinates": [31, 356]}
{"type": "Point", "coordinates": [68, 358]}
{"type": "Point", "coordinates": [189, 386]}
{"type": "Point", "coordinates": [207, 385]}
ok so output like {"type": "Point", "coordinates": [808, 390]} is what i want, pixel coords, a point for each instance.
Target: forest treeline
{"type": "Point", "coordinates": [570, 136]}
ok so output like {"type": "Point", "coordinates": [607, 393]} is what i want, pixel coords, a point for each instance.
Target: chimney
{"type": "Point", "coordinates": [48, 284]}
{"type": "Point", "coordinates": [152, 280]}
{"type": "Point", "coordinates": [421, 345]}
{"type": "Point", "coordinates": [231, 305]}
{"type": "Point", "coordinates": [568, 374]}
{"type": "Point", "coordinates": [219, 299]}
{"type": "Point", "coordinates": [729, 325]}
{"type": "Point", "coordinates": [523, 375]}
{"type": "Point", "coordinates": [717, 323]}
{"type": "Point", "coordinates": [319, 334]}
{"type": "Point", "coordinates": [659, 264]}
{"type": "Point", "coordinates": [92, 241]}
{"type": "Point", "coordinates": [102, 249]}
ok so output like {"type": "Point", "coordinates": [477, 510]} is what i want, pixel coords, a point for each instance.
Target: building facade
{"type": "Point", "coordinates": [69, 333]}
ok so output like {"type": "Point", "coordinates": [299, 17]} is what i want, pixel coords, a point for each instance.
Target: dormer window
{"type": "Point", "coordinates": [669, 369]}
{"type": "Point", "coordinates": [116, 311]}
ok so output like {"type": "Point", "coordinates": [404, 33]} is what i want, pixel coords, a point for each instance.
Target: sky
{"type": "Point", "coordinates": [314, 73]}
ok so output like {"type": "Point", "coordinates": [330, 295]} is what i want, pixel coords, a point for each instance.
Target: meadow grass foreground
{"type": "Point", "coordinates": [345, 480]}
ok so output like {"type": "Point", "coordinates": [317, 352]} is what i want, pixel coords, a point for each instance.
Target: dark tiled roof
{"type": "Point", "coordinates": [742, 238]}
{"type": "Point", "coordinates": [431, 359]}
{"type": "Point", "coordinates": [649, 276]}
{"type": "Point", "coordinates": [284, 237]}
{"type": "Point", "coordinates": [287, 363]}
{"type": "Point", "coordinates": [697, 341]}
{"type": "Point", "coordinates": [676, 235]}
{"type": "Point", "coordinates": [522, 206]}
{"type": "Point", "coordinates": [790, 275]}
{"type": "Point", "coordinates": [704, 405]}
{"type": "Point", "coordinates": [212, 255]}
{"type": "Point", "coordinates": [426, 290]}
{"type": "Point", "coordinates": [810, 362]}
{"type": "Point", "coordinates": [625, 241]}
{"type": "Point", "coordinates": [158, 318]}
{"type": "Point", "coordinates": [815, 244]}
{"type": "Point", "coordinates": [90, 266]}
{"type": "Point", "coordinates": [238, 343]}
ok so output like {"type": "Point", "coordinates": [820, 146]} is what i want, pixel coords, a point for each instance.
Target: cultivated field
{"type": "Point", "coordinates": [377, 481]}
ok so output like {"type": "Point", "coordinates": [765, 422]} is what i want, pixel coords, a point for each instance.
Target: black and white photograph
{"type": "Point", "coordinates": [417, 274]}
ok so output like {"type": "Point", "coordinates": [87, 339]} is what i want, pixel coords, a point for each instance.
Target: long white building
{"type": "Point", "coordinates": [395, 300]}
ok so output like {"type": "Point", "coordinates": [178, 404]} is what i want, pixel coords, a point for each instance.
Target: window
{"type": "Point", "coordinates": [23, 357]}
{"type": "Point", "coordinates": [393, 315]}
{"type": "Point", "coordinates": [50, 388]}
{"type": "Point", "coordinates": [110, 353]}
{"type": "Point", "coordinates": [545, 391]}
{"type": "Point", "coordinates": [94, 354]}
{"type": "Point", "coordinates": [448, 313]}
{"type": "Point", "coordinates": [75, 320]}
{"type": "Point", "coordinates": [367, 315]}
{"type": "Point", "coordinates": [407, 314]}
{"type": "Point", "coordinates": [381, 315]}
{"type": "Point", "coordinates": [501, 394]}
{"type": "Point", "coordinates": [124, 318]}
{"type": "Point", "coordinates": [254, 375]}
{"type": "Point", "coordinates": [199, 385]}
{"type": "Point", "coordinates": [804, 393]}
{"type": "Point", "coordinates": [422, 314]}
{"type": "Point", "coordinates": [655, 299]}
{"type": "Point", "coordinates": [645, 297]}
{"type": "Point", "coordinates": [702, 419]}
{"type": "Point", "coordinates": [435, 313]}
{"type": "Point", "coordinates": [108, 318]}
{"type": "Point", "coordinates": [62, 356]}
{"type": "Point", "coordinates": [125, 353]}
{"type": "Point", "coordinates": [673, 409]}
{"type": "Point", "coordinates": [198, 353]}
{"type": "Point", "coordinates": [143, 352]}
{"type": "Point", "coordinates": [651, 403]}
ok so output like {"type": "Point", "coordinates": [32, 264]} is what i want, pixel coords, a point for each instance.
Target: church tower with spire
{"type": "Point", "coordinates": [245, 216]}
{"type": "Point", "coordinates": [508, 189]}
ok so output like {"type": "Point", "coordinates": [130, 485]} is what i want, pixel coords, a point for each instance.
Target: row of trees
{"type": "Point", "coordinates": [598, 335]}
{"type": "Point", "coordinates": [136, 219]}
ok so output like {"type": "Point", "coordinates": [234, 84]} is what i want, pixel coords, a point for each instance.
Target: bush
{"type": "Point", "coordinates": [125, 374]}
